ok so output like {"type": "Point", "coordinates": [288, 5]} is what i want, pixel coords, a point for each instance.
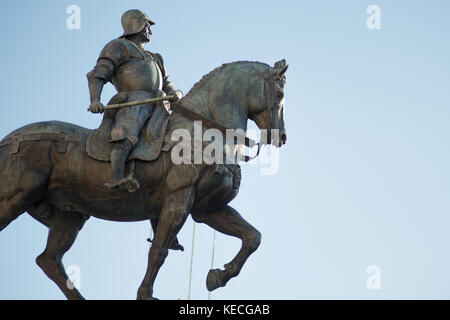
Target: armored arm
{"type": "Point", "coordinates": [112, 55]}
{"type": "Point", "coordinates": [98, 77]}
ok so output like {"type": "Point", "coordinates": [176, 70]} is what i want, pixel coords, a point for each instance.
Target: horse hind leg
{"type": "Point", "coordinates": [18, 193]}
{"type": "Point", "coordinates": [63, 230]}
{"type": "Point", "coordinates": [230, 222]}
{"type": "Point", "coordinates": [10, 209]}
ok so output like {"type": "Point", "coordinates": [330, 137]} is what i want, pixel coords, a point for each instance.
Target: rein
{"type": "Point", "coordinates": [188, 113]}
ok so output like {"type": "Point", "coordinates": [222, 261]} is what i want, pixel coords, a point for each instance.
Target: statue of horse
{"type": "Point", "coordinates": [57, 183]}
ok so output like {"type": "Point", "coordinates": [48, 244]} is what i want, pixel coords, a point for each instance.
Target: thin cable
{"type": "Point", "coordinates": [138, 263]}
{"type": "Point", "coordinates": [192, 262]}
{"type": "Point", "coordinates": [105, 256]}
{"type": "Point", "coordinates": [212, 258]}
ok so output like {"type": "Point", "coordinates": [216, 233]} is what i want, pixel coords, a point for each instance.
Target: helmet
{"type": "Point", "coordinates": [133, 21]}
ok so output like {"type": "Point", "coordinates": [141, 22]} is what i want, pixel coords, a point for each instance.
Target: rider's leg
{"type": "Point", "coordinates": [119, 156]}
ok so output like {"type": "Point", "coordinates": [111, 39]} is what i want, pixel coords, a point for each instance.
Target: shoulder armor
{"type": "Point", "coordinates": [116, 51]}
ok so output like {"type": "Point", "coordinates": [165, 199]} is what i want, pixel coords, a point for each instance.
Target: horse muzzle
{"type": "Point", "coordinates": [280, 138]}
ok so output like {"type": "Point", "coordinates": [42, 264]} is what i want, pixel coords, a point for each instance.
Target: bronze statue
{"type": "Point", "coordinates": [56, 172]}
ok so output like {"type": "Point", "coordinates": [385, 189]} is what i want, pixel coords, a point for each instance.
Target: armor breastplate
{"type": "Point", "coordinates": [139, 73]}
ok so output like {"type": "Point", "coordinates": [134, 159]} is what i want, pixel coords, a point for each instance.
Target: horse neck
{"type": "Point", "coordinates": [223, 100]}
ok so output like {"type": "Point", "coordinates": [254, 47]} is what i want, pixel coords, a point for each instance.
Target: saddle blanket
{"type": "Point", "coordinates": [150, 142]}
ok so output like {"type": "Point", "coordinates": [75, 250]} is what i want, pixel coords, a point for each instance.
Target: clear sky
{"type": "Point", "coordinates": [363, 180]}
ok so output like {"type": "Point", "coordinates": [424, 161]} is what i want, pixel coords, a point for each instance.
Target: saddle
{"type": "Point", "coordinates": [151, 138]}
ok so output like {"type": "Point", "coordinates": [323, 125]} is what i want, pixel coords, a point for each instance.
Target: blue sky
{"type": "Point", "coordinates": [363, 179]}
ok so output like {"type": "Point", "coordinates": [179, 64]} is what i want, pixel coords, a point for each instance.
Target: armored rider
{"type": "Point", "coordinates": [136, 74]}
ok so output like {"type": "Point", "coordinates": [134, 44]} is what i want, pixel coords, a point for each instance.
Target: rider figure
{"type": "Point", "coordinates": [136, 73]}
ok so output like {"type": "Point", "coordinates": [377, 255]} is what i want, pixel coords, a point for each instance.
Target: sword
{"type": "Point", "coordinates": [134, 103]}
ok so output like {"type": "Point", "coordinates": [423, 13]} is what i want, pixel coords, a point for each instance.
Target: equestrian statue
{"type": "Point", "coordinates": [128, 169]}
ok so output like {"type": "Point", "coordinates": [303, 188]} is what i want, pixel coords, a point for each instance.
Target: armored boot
{"type": "Point", "coordinates": [119, 156]}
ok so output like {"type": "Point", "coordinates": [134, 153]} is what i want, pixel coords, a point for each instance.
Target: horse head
{"type": "Point", "coordinates": [266, 103]}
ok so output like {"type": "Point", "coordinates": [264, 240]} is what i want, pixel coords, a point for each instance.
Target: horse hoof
{"type": "Point", "coordinates": [144, 293]}
{"type": "Point", "coordinates": [214, 279]}
{"type": "Point", "coordinates": [148, 298]}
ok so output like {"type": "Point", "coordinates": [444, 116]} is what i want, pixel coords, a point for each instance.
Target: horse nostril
{"type": "Point", "coordinates": [283, 138]}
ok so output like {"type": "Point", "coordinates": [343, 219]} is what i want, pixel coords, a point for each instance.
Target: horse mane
{"type": "Point", "coordinates": [207, 77]}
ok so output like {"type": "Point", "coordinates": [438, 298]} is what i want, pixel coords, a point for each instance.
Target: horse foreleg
{"type": "Point", "coordinates": [63, 230]}
{"type": "Point", "coordinates": [230, 222]}
{"type": "Point", "coordinates": [175, 244]}
{"type": "Point", "coordinates": [173, 215]}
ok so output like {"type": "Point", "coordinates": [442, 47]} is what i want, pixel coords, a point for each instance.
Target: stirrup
{"type": "Point", "coordinates": [128, 183]}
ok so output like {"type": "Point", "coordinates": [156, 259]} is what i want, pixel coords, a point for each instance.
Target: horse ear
{"type": "Point", "coordinates": [283, 70]}
{"type": "Point", "coordinates": [279, 68]}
